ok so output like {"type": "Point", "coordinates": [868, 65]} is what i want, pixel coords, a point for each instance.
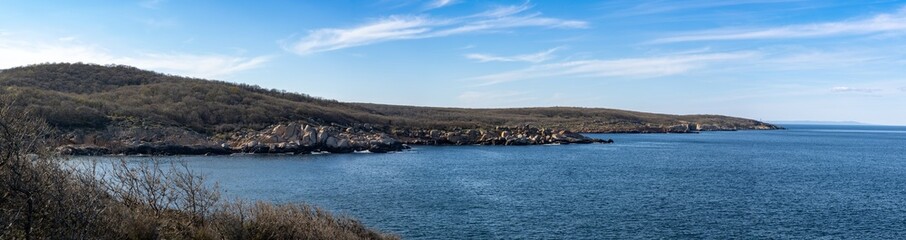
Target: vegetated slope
{"type": "Point", "coordinates": [48, 197]}
{"type": "Point", "coordinates": [87, 96]}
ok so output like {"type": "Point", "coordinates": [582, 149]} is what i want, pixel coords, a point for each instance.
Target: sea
{"type": "Point", "coordinates": [805, 182]}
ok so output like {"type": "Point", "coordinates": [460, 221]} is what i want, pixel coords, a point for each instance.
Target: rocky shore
{"type": "Point", "coordinates": [300, 138]}
{"type": "Point", "coordinates": [115, 109]}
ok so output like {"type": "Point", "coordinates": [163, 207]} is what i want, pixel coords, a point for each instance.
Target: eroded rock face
{"type": "Point", "coordinates": [323, 133]}
{"type": "Point", "coordinates": [315, 139]}
{"type": "Point", "coordinates": [524, 135]}
{"type": "Point", "coordinates": [126, 138]}
{"type": "Point", "coordinates": [299, 138]}
{"type": "Point", "coordinates": [309, 136]}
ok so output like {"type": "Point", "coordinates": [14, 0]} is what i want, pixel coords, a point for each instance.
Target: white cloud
{"type": "Point", "coordinates": [402, 27]}
{"type": "Point", "coordinates": [881, 23]}
{"type": "Point", "coordinates": [827, 57]}
{"type": "Point", "coordinates": [656, 7]}
{"type": "Point", "coordinates": [160, 22]}
{"type": "Point", "coordinates": [151, 4]}
{"type": "Point", "coordinates": [391, 28]}
{"type": "Point", "coordinates": [66, 39]}
{"type": "Point", "coordinates": [630, 67]}
{"type": "Point", "coordinates": [440, 3]}
{"type": "Point", "coordinates": [511, 98]}
{"type": "Point", "coordinates": [856, 90]}
{"type": "Point", "coordinates": [495, 98]}
{"type": "Point", "coordinates": [848, 60]}
{"type": "Point", "coordinates": [532, 58]}
{"type": "Point", "coordinates": [18, 53]}
{"type": "Point", "coordinates": [207, 66]}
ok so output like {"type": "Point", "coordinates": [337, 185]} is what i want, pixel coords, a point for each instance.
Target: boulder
{"type": "Point", "coordinates": [679, 128]}
{"type": "Point", "coordinates": [457, 138]}
{"type": "Point", "coordinates": [434, 134]}
{"type": "Point", "coordinates": [344, 143]}
{"type": "Point", "coordinates": [279, 130]}
{"type": "Point", "coordinates": [332, 142]}
{"type": "Point", "coordinates": [473, 134]}
{"type": "Point", "coordinates": [292, 132]}
{"type": "Point", "coordinates": [309, 136]}
{"type": "Point", "coordinates": [323, 134]}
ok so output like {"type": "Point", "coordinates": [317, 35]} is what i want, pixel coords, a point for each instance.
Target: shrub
{"type": "Point", "coordinates": [43, 196]}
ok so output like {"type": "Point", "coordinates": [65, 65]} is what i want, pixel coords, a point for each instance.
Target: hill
{"type": "Point", "coordinates": [129, 106]}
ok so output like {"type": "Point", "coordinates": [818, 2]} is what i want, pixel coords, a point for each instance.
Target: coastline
{"type": "Point", "coordinates": [300, 138]}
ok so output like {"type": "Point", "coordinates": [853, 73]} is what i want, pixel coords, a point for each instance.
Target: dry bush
{"type": "Point", "coordinates": [262, 220]}
{"type": "Point", "coordinates": [45, 197]}
{"type": "Point", "coordinates": [170, 201]}
{"type": "Point", "coordinates": [39, 198]}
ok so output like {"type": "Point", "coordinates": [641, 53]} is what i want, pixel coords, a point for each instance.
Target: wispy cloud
{"type": "Point", "coordinates": [513, 98]}
{"type": "Point", "coordinates": [151, 4]}
{"type": "Point", "coordinates": [881, 23]}
{"type": "Point", "coordinates": [66, 39]}
{"type": "Point", "coordinates": [495, 97]}
{"type": "Point", "coordinates": [160, 22]}
{"type": "Point", "coordinates": [629, 67]}
{"type": "Point", "coordinates": [195, 65]}
{"type": "Point", "coordinates": [656, 7]}
{"type": "Point", "coordinates": [440, 3]}
{"type": "Point", "coordinates": [852, 60]}
{"type": "Point", "coordinates": [532, 58]}
{"type": "Point", "coordinates": [403, 27]}
{"type": "Point", "coordinates": [855, 90]}
{"type": "Point", "coordinates": [19, 53]}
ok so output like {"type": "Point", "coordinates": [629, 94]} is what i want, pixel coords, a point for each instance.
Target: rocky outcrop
{"type": "Point", "coordinates": [523, 135]}
{"type": "Point", "coordinates": [131, 139]}
{"type": "Point", "coordinates": [303, 138]}
{"type": "Point", "coordinates": [677, 127]}
{"type": "Point", "coordinates": [300, 138]}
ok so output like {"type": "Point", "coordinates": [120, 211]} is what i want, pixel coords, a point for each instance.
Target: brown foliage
{"type": "Point", "coordinates": [90, 96]}
{"type": "Point", "coordinates": [45, 197]}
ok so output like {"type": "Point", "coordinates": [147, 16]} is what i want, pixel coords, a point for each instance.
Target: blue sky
{"type": "Point", "coordinates": [761, 59]}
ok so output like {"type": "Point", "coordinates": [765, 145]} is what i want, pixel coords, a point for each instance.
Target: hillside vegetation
{"type": "Point", "coordinates": [44, 196]}
{"type": "Point", "coordinates": [86, 96]}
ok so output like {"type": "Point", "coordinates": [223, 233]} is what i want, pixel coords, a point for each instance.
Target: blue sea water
{"type": "Point", "coordinates": [804, 182]}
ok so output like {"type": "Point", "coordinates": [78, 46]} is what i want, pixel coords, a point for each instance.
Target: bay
{"type": "Point", "coordinates": [804, 182]}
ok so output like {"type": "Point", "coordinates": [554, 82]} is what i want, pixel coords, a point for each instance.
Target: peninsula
{"type": "Point", "coordinates": [116, 109]}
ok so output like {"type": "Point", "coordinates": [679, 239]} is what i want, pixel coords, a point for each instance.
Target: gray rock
{"type": "Point", "coordinates": [435, 134]}
{"type": "Point", "coordinates": [332, 142]}
{"type": "Point", "coordinates": [344, 143]}
{"type": "Point", "coordinates": [279, 131]}
{"type": "Point", "coordinates": [292, 132]}
{"type": "Point", "coordinates": [309, 136]}
{"type": "Point", "coordinates": [323, 134]}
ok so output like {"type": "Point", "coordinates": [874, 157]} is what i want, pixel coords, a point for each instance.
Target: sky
{"type": "Point", "coordinates": [771, 60]}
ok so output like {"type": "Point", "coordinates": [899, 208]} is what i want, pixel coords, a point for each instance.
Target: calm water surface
{"type": "Point", "coordinates": [805, 182]}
